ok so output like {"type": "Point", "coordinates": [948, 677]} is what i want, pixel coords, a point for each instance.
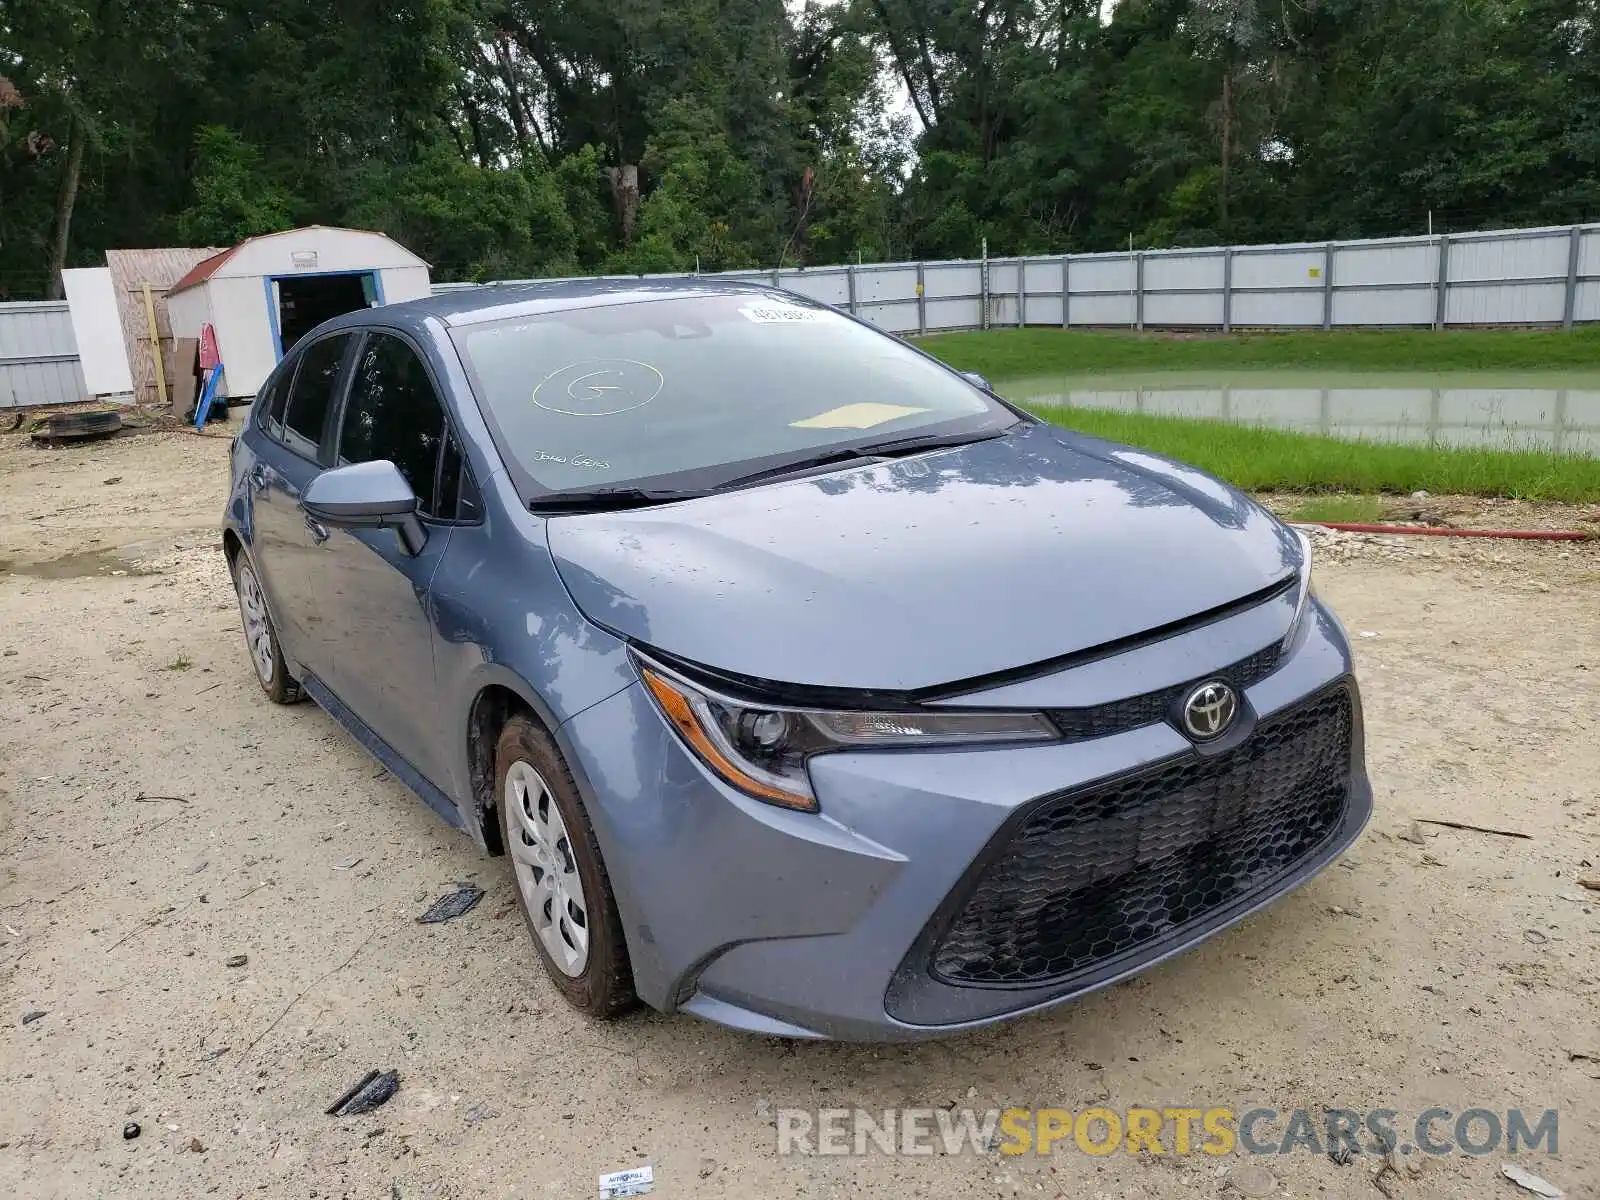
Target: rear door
{"type": "Point", "coordinates": [375, 610]}
{"type": "Point", "coordinates": [297, 430]}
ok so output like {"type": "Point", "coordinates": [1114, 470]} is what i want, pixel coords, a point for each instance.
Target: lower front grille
{"type": "Point", "coordinates": [1094, 874]}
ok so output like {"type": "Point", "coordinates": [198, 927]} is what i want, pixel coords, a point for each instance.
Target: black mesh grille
{"type": "Point", "coordinates": [1080, 724]}
{"type": "Point", "coordinates": [1097, 873]}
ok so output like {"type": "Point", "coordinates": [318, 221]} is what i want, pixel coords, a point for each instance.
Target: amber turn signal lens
{"type": "Point", "coordinates": [679, 709]}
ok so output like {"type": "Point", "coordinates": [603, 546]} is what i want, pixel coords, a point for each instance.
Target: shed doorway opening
{"type": "Point", "coordinates": [305, 301]}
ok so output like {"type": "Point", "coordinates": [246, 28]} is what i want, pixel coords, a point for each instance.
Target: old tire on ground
{"type": "Point", "coordinates": [68, 426]}
{"type": "Point", "coordinates": [260, 637]}
{"type": "Point", "coordinates": [562, 886]}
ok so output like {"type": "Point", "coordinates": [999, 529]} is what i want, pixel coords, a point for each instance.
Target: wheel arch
{"type": "Point", "coordinates": [498, 698]}
{"type": "Point", "coordinates": [232, 543]}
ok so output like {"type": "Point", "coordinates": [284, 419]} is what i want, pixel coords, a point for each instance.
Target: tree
{"type": "Point", "coordinates": [234, 197]}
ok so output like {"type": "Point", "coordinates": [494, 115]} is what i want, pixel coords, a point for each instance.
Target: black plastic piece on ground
{"type": "Point", "coordinates": [452, 905]}
{"type": "Point", "coordinates": [373, 1089]}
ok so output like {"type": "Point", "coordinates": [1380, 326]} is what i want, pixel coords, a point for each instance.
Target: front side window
{"type": "Point", "coordinates": [311, 397]}
{"type": "Point", "coordinates": [698, 388]}
{"type": "Point", "coordinates": [394, 413]}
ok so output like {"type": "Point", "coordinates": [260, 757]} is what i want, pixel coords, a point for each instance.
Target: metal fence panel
{"type": "Point", "coordinates": [1272, 307]}
{"type": "Point", "coordinates": [1505, 304]}
{"type": "Point", "coordinates": [1182, 308]}
{"type": "Point", "coordinates": [1183, 272]}
{"type": "Point", "coordinates": [1498, 258]}
{"type": "Point", "coordinates": [1278, 267]}
{"type": "Point", "coordinates": [1385, 264]}
{"type": "Point", "coordinates": [38, 356]}
{"type": "Point", "coordinates": [1589, 252]}
{"type": "Point", "coordinates": [1391, 306]}
{"type": "Point", "coordinates": [1586, 306]}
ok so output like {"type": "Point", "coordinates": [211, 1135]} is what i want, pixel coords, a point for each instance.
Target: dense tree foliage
{"type": "Point", "coordinates": [506, 138]}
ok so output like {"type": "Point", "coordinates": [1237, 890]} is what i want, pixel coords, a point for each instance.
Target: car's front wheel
{"type": "Point", "coordinates": [261, 639]}
{"type": "Point", "coordinates": [562, 886]}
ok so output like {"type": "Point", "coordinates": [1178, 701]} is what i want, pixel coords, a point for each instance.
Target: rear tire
{"type": "Point", "coordinates": [260, 636]}
{"type": "Point", "coordinates": [562, 886]}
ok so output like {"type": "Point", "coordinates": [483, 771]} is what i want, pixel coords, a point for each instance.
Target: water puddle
{"type": "Point", "coordinates": [1502, 410]}
{"type": "Point", "coordinates": [85, 564]}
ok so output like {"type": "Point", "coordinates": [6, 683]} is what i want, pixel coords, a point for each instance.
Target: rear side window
{"type": "Point", "coordinates": [269, 405]}
{"type": "Point", "coordinates": [394, 413]}
{"type": "Point", "coordinates": [311, 397]}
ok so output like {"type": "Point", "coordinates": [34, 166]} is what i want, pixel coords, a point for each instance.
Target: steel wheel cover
{"type": "Point", "coordinates": [257, 629]}
{"type": "Point", "coordinates": [547, 872]}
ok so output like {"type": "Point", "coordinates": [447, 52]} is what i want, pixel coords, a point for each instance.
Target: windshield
{"type": "Point", "coordinates": [691, 391]}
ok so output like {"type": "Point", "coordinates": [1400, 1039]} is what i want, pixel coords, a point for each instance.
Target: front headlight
{"type": "Point", "coordinates": [762, 749]}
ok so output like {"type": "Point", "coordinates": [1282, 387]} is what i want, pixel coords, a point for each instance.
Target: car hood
{"type": "Point", "coordinates": [927, 571]}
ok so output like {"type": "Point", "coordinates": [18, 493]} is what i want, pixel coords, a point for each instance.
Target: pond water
{"type": "Point", "coordinates": [1528, 410]}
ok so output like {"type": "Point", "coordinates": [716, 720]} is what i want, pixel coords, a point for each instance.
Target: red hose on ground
{"type": "Point", "coordinates": [1534, 535]}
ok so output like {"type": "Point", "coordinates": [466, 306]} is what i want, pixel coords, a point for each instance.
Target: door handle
{"type": "Point", "coordinates": [319, 531]}
{"type": "Point", "coordinates": [257, 479]}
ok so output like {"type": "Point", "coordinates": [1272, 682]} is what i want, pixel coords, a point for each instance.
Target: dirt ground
{"type": "Point", "coordinates": [158, 817]}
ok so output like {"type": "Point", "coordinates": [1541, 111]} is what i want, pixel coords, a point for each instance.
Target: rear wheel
{"type": "Point", "coordinates": [562, 886]}
{"type": "Point", "coordinates": [261, 639]}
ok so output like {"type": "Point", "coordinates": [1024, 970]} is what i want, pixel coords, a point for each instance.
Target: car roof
{"type": "Point", "coordinates": [497, 301]}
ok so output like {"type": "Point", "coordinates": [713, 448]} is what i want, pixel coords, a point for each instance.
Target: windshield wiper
{"type": "Point", "coordinates": [609, 499]}
{"type": "Point", "coordinates": [893, 448]}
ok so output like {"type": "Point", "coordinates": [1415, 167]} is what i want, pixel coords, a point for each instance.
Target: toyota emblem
{"type": "Point", "coordinates": [1209, 710]}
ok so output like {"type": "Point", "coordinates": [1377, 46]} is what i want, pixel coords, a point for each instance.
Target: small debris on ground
{"type": "Point", "coordinates": [196, 1146]}
{"type": "Point", "coordinates": [111, 480]}
{"type": "Point", "coordinates": [236, 960]}
{"type": "Point", "coordinates": [1340, 1155]}
{"type": "Point", "coordinates": [1510, 833]}
{"type": "Point", "coordinates": [1592, 885]}
{"type": "Point", "coordinates": [1527, 1179]}
{"type": "Point", "coordinates": [453, 904]}
{"type": "Point", "coordinates": [130, 1131]}
{"type": "Point", "coordinates": [348, 864]}
{"type": "Point", "coordinates": [1389, 1167]}
{"type": "Point", "coordinates": [38, 1014]}
{"type": "Point", "coordinates": [375, 1088]}
{"type": "Point", "coordinates": [636, 1182]}
{"type": "Point", "coordinates": [479, 1110]}
{"type": "Point", "coordinates": [1416, 834]}
{"type": "Point", "coordinates": [1252, 1180]}
{"type": "Point", "coordinates": [1534, 937]}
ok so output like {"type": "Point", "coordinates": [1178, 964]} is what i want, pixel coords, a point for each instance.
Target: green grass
{"type": "Point", "coordinates": [1357, 510]}
{"type": "Point", "coordinates": [1260, 459]}
{"type": "Point", "coordinates": [181, 663]}
{"type": "Point", "coordinates": [1003, 354]}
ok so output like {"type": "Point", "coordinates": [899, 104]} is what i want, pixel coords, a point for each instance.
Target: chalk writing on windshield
{"type": "Point", "coordinates": [580, 461]}
{"type": "Point", "coordinates": [599, 387]}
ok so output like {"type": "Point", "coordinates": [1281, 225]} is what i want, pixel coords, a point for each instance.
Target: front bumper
{"type": "Point", "coordinates": [828, 925]}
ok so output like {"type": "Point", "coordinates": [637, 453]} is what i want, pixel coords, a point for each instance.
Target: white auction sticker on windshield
{"type": "Point", "coordinates": [777, 314]}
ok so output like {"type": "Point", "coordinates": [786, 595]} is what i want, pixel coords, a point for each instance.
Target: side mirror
{"type": "Point", "coordinates": [976, 380]}
{"type": "Point", "coordinates": [369, 495]}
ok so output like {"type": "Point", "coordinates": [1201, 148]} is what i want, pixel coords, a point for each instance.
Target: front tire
{"type": "Point", "coordinates": [562, 886]}
{"type": "Point", "coordinates": [260, 637]}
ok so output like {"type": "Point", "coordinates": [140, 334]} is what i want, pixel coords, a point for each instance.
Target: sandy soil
{"type": "Point", "coordinates": [158, 816]}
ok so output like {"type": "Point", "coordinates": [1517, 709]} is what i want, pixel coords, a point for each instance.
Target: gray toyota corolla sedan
{"type": "Point", "coordinates": [808, 686]}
